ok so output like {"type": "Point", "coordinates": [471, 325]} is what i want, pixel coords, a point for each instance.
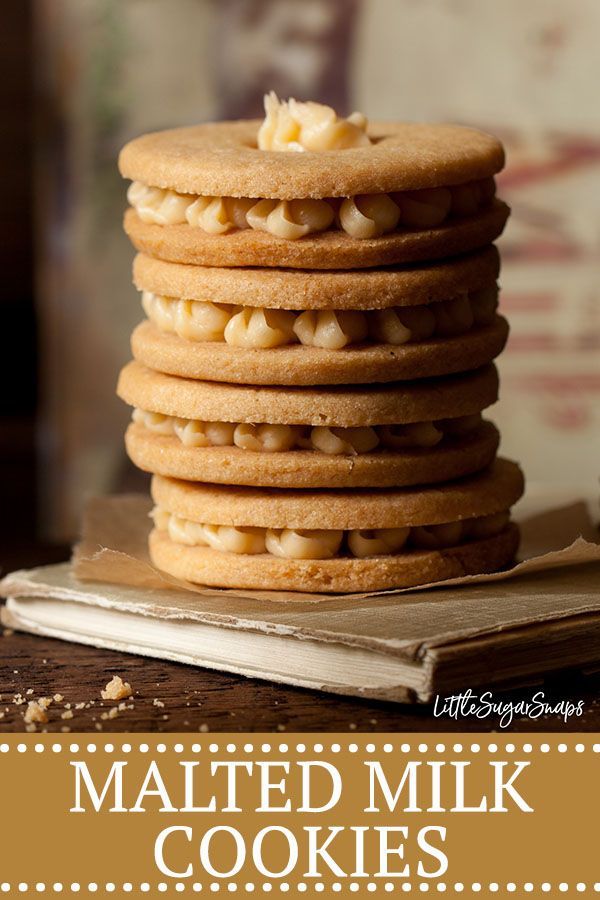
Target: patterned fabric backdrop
{"type": "Point", "coordinates": [107, 70]}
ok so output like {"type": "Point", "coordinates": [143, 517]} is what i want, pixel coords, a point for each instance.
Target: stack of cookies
{"type": "Point", "coordinates": [309, 383]}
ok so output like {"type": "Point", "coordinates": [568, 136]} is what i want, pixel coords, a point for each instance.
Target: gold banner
{"type": "Point", "coordinates": [486, 814]}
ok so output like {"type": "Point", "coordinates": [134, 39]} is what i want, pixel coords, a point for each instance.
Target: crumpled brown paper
{"type": "Point", "coordinates": [113, 549]}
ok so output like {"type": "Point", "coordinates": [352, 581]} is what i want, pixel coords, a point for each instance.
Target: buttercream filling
{"type": "Point", "coordinates": [292, 126]}
{"type": "Point", "coordinates": [333, 441]}
{"type": "Point", "coordinates": [293, 543]}
{"type": "Point", "coordinates": [362, 216]}
{"type": "Point", "coordinates": [330, 329]}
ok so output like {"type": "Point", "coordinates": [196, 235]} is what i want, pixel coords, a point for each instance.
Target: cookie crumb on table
{"type": "Point", "coordinates": [116, 689]}
{"type": "Point", "coordinates": [35, 712]}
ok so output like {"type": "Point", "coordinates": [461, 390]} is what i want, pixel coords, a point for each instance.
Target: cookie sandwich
{"type": "Point", "coordinates": [336, 541]}
{"type": "Point", "coordinates": [272, 326]}
{"type": "Point", "coordinates": [368, 436]}
{"type": "Point", "coordinates": [307, 189]}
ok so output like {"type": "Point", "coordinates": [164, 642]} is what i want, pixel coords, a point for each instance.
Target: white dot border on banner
{"type": "Point", "coordinates": [458, 887]}
{"type": "Point", "coordinates": [318, 747]}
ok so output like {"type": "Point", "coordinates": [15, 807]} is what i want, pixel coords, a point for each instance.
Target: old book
{"type": "Point", "coordinates": [403, 647]}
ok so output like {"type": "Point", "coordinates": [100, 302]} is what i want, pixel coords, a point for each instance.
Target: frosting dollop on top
{"type": "Point", "coordinates": [290, 125]}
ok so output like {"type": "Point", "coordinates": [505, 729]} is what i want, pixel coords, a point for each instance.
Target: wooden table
{"type": "Point", "coordinates": [169, 697]}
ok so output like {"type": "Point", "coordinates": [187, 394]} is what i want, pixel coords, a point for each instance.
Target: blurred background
{"type": "Point", "coordinates": [83, 76]}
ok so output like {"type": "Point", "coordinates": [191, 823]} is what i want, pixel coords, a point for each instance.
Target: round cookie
{"type": "Point", "coordinates": [297, 364]}
{"type": "Point", "coordinates": [331, 249]}
{"type": "Point", "coordinates": [321, 289]}
{"type": "Point", "coordinates": [454, 457]}
{"type": "Point", "coordinates": [222, 159]}
{"type": "Point", "coordinates": [203, 565]}
{"type": "Point", "coordinates": [344, 407]}
{"type": "Point", "coordinates": [486, 493]}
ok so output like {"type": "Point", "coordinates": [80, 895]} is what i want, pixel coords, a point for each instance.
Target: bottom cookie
{"type": "Point", "coordinates": [215, 568]}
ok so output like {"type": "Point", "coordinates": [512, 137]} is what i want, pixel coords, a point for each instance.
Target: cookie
{"type": "Point", "coordinates": [275, 288]}
{"type": "Point", "coordinates": [373, 540]}
{"type": "Point", "coordinates": [202, 565]}
{"type": "Point", "coordinates": [305, 365]}
{"type": "Point", "coordinates": [325, 250]}
{"type": "Point", "coordinates": [455, 457]}
{"type": "Point", "coordinates": [345, 407]}
{"type": "Point", "coordinates": [492, 491]}
{"type": "Point", "coordinates": [222, 159]}
{"type": "Point", "coordinates": [372, 436]}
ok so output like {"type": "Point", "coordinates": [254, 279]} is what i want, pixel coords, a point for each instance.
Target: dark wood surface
{"type": "Point", "coordinates": [200, 700]}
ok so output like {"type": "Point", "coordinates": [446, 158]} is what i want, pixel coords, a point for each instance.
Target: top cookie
{"type": "Point", "coordinates": [223, 159]}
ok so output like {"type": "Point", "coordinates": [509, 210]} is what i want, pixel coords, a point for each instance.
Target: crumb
{"type": "Point", "coordinates": [1, 715]}
{"type": "Point", "coordinates": [165, 717]}
{"type": "Point", "coordinates": [35, 712]}
{"type": "Point", "coordinates": [352, 726]}
{"type": "Point", "coordinates": [281, 728]}
{"type": "Point", "coordinates": [58, 698]}
{"type": "Point", "coordinates": [373, 721]}
{"type": "Point", "coordinates": [19, 699]}
{"type": "Point", "coordinates": [31, 727]}
{"type": "Point", "coordinates": [8, 632]}
{"type": "Point", "coordinates": [29, 692]}
{"type": "Point", "coordinates": [78, 705]}
{"type": "Point", "coordinates": [68, 714]}
{"type": "Point", "coordinates": [204, 727]}
{"type": "Point", "coordinates": [116, 689]}
{"type": "Point", "coordinates": [65, 729]}
{"type": "Point", "coordinates": [15, 671]}
{"type": "Point", "coordinates": [45, 662]}
{"type": "Point", "coordinates": [186, 723]}
{"type": "Point", "coordinates": [112, 713]}
{"type": "Point", "coordinates": [45, 702]}
{"type": "Point", "coordinates": [98, 726]}
{"type": "Point", "coordinates": [67, 705]}
{"type": "Point", "coordinates": [159, 703]}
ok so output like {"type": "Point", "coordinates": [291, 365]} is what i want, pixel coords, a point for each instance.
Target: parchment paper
{"type": "Point", "coordinates": [113, 549]}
